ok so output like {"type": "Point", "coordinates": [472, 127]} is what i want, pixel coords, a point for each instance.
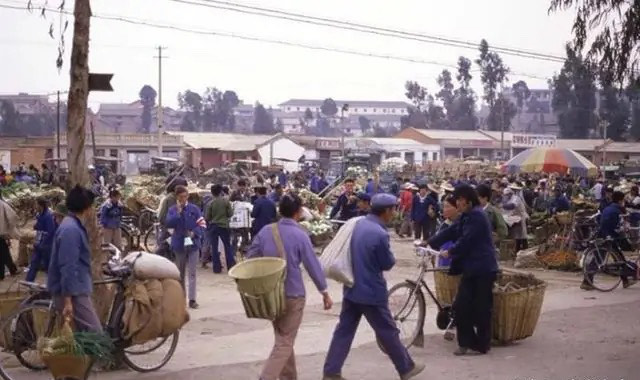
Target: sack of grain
{"type": "Point", "coordinates": [528, 258]}
{"type": "Point", "coordinates": [174, 307]}
{"type": "Point", "coordinates": [143, 317]}
{"type": "Point", "coordinates": [151, 266]}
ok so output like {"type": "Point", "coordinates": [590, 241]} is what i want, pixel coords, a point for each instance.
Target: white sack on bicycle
{"type": "Point", "coordinates": [151, 266]}
{"type": "Point", "coordinates": [336, 257]}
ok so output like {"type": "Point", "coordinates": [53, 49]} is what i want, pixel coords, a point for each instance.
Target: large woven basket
{"type": "Point", "coordinates": [446, 287]}
{"type": "Point", "coordinates": [516, 311]}
{"type": "Point", "coordinates": [68, 366]}
{"type": "Point", "coordinates": [9, 302]}
{"type": "Point", "coordinates": [260, 283]}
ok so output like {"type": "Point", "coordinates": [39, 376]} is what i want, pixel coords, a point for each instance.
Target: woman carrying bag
{"type": "Point", "coordinates": [288, 240]}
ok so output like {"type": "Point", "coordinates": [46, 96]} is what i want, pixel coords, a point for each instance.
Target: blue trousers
{"type": "Point", "coordinates": [39, 261]}
{"type": "Point", "coordinates": [224, 235]}
{"type": "Point", "coordinates": [380, 319]}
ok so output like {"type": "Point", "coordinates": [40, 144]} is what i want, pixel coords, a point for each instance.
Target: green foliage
{"type": "Point", "coordinates": [365, 125]}
{"type": "Point", "coordinates": [329, 107]}
{"type": "Point", "coordinates": [308, 115]}
{"type": "Point", "coordinates": [574, 97]}
{"type": "Point", "coordinates": [462, 115]}
{"type": "Point", "coordinates": [501, 114]}
{"type": "Point", "coordinates": [522, 94]}
{"type": "Point", "coordinates": [611, 29]}
{"type": "Point", "coordinates": [191, 102]}
{"type": "Point", "coordinates": [633, 94]}
{"type": "Point", "coordinates": [148, 99]}
{"type": "Point", "coordinates": [493, 74]}
{"type": "Point", "coordinates": [210, 112]}
{"type": "Point", "coordinates": [446, 94]}
{"type": "Point", "coordinates": [416, 93]}
{"type": "Point", "coordinates": [263, 123]}
{"type": "Point", "coordinates": [614, 109]}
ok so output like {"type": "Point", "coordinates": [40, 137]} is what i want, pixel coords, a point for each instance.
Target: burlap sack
{"type": "Point", "coordinates": [174, 307]}
{"type": "Point", "coordinates": [143, 311]}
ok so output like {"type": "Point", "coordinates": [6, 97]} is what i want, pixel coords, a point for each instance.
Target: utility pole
{"type": "Point", "coordinates": [58, 128]}
{"type": "Point", "coordinates": [604, 145]}
{"type": "Point", "coordinates": [160, 110]}
{"type": "Point", "coordinates": [345, 107]}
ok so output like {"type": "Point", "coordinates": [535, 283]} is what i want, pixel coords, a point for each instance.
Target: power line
{"type": "Point", "coordinates": [153, 24]}
{"type": "Point", "coordinates": [363, 28]}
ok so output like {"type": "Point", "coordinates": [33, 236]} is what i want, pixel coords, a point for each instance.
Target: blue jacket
{"type": "Point", "coordinates": [282, 179]}
{"type": "Point", "coordinates": [321, 184]}
{"type": "Point", "coordinates": [110, 215]}
{"type": "Point", "coordinates": [420, 207]}
{"type": "Point", "coordinates": [189, 220]}
{"type": "Point", "coordinates": [70, 265]}
{"type": "Point", "coordinates": [560, 204]}
{"type": "Point", "coordinates": [274, 197]}
{"type": "Point", "coordinates": [370, 256]}
{"type": "Point", "coordinates": [313, 184]}
{"type": "Point", "coordinates": [372, 188]}
{"type": "Point", "coordinates": [345, 208]}
{"type": "Point", "coordinates": [473, 252]}
{"type": "Point", "coordinates": [264, 212]}
{"type": "Point", "coordinates": [46, 229]}
{"type": "Point", "coordinates": [610, 221]}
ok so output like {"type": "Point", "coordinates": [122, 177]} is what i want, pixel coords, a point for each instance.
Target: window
{"type": "Point", "coordinates": [384, 110]}
{"type": "Point", "coordinates": [365, 110]}
{"type": "Point", "coordinates": [355, 110]}
{"type": "Point", "coordinates": [393, 110]}
{"type": "Point", "coordinates": [288, 108]}
{"type": "Point", "coordinates": [374, 110]}
{"type": "Point", "coordinates": [100, 152]}
{"type": "Point", "coordinates": [297, 108]}
{"type": "Point", "coordinates": [114, 152]}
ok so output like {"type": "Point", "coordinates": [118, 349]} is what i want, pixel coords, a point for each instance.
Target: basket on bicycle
{"type": "Point", "coordinates": [9, 302]}
{"type": "Point", "coordinates": [517, 303]}
{"type": "Point", "coordinates": [563, 218]}
{"type": "Point", "coordinates": [260, 282]}
{"type": "Point", "coordinates": [446, 287]}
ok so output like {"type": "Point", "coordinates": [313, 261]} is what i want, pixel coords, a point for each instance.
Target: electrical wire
{"type": "Point", "coordinates": [363, 28]}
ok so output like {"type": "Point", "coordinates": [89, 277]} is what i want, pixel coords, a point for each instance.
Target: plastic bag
{"type": "Point", "coordinates": [336, 257]}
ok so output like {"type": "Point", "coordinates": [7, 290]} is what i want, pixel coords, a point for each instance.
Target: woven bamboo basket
{"type": "Point", "coordinates": [563, 218]}
{"type": "Point", "coordinates": [516, 310]}
{"type": "Point", "coordinates": [446, 287]}
{"type": "Point", "coordinates": [507, 249]}
{"type": "Point", "coordinates": [68, 366]}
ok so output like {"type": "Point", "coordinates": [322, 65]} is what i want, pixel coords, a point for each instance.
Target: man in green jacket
{"type": "Point", "coordinates": [217, 216]}
{"type": "Point", "coordinates": [500, 229]}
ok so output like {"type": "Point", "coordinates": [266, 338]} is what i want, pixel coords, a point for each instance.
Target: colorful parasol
{"type": "Point", "coordinates": [550, 160]}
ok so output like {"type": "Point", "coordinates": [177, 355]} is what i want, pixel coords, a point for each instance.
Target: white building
{"type": "Point", "coordinates": [356, 107]}
{"type": "Point", "coordinates": [412, 151]}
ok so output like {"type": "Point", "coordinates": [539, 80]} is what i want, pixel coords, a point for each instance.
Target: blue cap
{"type": "Point", "coordinates": [364, 197]}
{"type": "Point", "coordinates": [383, 200]}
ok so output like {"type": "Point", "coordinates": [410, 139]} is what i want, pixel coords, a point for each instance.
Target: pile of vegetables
{"type": "Point", "coordinates": [96, 345]}
{"type": "Point", "coordinates": [357, 172]}
{"type": "Point", "coordinates": [309, 198]}
{"type": "Point", "coordinates": [22, 197]}
{"type": "Point", "coordinates": [317, 227]}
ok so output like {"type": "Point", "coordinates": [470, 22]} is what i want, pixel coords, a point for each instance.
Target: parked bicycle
{"type": "Point", "coordinates": [36, 318]}
{"type": "Point", "coordinates": [604, 263]}
{"type": "Point", "coordinates": [408, 303]}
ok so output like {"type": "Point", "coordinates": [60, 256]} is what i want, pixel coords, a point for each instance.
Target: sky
{"type": "Point", "coordinates": [273, 73]}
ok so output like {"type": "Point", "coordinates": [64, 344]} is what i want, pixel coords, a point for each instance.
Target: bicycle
{"type": "Point", "coordinates": [604, 264]}
{"type": "Point", "coordinates": [408, 297]}
{"type": "Point", "coordinates": [36, 318]}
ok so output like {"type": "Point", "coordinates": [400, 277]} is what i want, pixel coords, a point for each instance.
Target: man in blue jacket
{"type": "Point", "coordinates": [45, 230]}
{"type": "Point", "coordinates": [110, 218]}
{"type": "Point", "coordinates": [347, 205]}
{"type": "Point", "coordinates": [264, 211]}
{"type": "Point", "coordinates": [371, 256]}
{"type": "Point", "coordinates": [188, 230]}
{"type": "Point", "coordinates": [610, 228]}
{"type": "Point", "coordinates": [474, 257]}
{"type": "Point", "coordinates": [423, 213]}
{"type": "Point", "coordinates": [560, 202]}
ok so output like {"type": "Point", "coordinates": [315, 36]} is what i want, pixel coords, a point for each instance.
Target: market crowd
{"type": "Point", "coordinates": [464, 218]}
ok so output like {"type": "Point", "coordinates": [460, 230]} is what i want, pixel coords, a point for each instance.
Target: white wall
{"type": "Point", "coordinates": [282, 148]}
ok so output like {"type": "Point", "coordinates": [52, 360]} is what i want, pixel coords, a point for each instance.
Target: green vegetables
{"type": "Point", "coordinates": [317, 227]}
{"type": "Point", "coordinates": [96, 345]}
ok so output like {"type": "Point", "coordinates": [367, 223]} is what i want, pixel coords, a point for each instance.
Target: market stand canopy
{"type": "Point", "coordinates": [550, 160]}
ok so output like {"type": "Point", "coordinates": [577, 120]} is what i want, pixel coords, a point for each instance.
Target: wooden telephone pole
{"type": "Point", "coordinates": [76, 160]}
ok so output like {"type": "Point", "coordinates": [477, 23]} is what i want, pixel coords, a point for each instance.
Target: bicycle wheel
{"type": "Point", "coordinates": [408, 308]}
{"type": "Point", "coordinates": [20, 333]}
{"type": "Point", "coordinates": [152, 355]}
{"type": "Point", "coordinates": [602, 270]}
{"type": "Point", "coordinates": [151, 239]}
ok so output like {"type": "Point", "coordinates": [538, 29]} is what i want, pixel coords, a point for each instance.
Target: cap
{"type": "Point", "coordinates": [383, 200]}
{"type": "Point", "coordinates": [364, 197]}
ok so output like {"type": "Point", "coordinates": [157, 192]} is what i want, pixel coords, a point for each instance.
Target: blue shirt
{"type": "Point", "coordinates": [345, 208]}
{"type": "Point", "coordinates": [111, 215]}
{"type": "Point", "coordinates": [372, 188]}
{"type": "Point", "coordinates": [274, 197]}
{"type": "Point", "coordinates": [189, 220]}
{"type": "Point", "coordinates": [46, 229]}
{"type": "Point", "coordinates": [560, 204]}
{"type": "Point", "coordinates": [298, 249]}
{"type": "Point", "coordinates": [473, 252]}
{"type": "Point", "coordinates": [610, 221]}
{"type": "Point", "coordinates": [420, 207]}
{"type": "Point", "coordinates": [70, 265]}
{"type": "Point", "coordinates": [282, 179]}
{"type": "Point", "coordinates": [370, 257]}
{"type": "Point", "coordinates": [322, 184]}
{"type": "Point", "coordinates": [264, 212]}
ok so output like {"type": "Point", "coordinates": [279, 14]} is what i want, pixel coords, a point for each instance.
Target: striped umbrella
{"type": "Point", "coordinates": [550, 160]}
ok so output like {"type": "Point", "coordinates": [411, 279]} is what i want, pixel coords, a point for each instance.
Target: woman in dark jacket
{"type": "Point", "coordinates": [473, 256]}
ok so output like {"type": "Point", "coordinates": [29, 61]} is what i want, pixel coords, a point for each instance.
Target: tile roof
{"type": "Point", "coordinates": [229, 142]}
{"type": "Point", "coordinates": [579, 144]}
{"type": "Point", "coordinates": [351, 103]}
{"type": "Point", "coordinates": [443, 134]}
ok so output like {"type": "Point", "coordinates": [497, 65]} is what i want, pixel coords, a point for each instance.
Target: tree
{"type": "Point", "coordinates": [329, 107]}
{"type": "Point", "coordinates": [191, 103]}
{"type": "Point", "coordinates": [435, 114]}
{"type": "Point", "coordinates": [493, 74]}
{"type": "Point", "coordinates": [574, 97]}
{"type": "Point", "coordinates": [611, 27]}
{"type": "Point", "coordinates": [463, 108]}
{"type": "Point", "coordinates": [614, 108]}
{"type": "Point", "coordinates": [416, 93]}
{"type": "Point", "coordinates": [501, 114]}
{"type": "Point", "coordinates": [365, 125]}
{"type": "Point", "coordinates": [446, 94]}
{"type": "Point", "coordinates": [10, 124]}
{"type": "Point", "coordinates": [148, 99]}
{"type": "Point", "coordinates": [308, 115]}
{"type": "Point", "coordinates": [522, 94]}
{"type": "Point", "coordinates": [378, 131]}
{"type": "Point", "coordinates": [263, 123]}
{"type": "Point", "coordinates": [633, 94]}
